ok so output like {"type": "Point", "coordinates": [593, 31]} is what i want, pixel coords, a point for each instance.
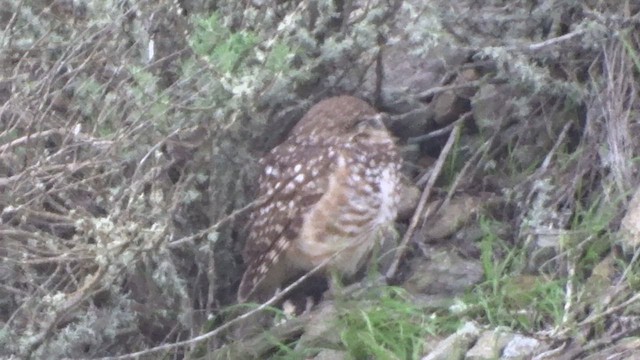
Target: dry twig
{"type": "Point", "coordinates": [418, 214]}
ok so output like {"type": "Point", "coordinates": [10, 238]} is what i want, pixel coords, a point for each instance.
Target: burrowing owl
{"type": "Point", "coordinates": [331, 188]}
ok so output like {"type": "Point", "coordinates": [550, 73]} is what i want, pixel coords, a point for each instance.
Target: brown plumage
{"type": "Point", "coordinates": [331, 187]}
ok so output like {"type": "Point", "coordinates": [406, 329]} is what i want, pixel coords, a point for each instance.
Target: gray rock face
{"type": "Point", "coordinates": [446, 273]}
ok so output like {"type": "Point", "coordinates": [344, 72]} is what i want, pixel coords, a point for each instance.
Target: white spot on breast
{"type": "Point", "coordinates": [290, 187]}
{"type": "Point", "coordinates": [263, 268]}
{"type": "Point", "coordinates": [299, 178]}
{"type": "Point", "coordinates": [272, 255]}
{"type": "Point", "coordinates": [388, 183]}
{"type": "Point", "coordinates": [297, 168]}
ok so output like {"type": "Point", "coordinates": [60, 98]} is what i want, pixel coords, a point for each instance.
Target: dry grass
{"type": "Point", "coordinates": [127, 142]}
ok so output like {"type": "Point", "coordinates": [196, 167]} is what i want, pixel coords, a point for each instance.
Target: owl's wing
{"type": "Point", "coordinates": [294, 178]}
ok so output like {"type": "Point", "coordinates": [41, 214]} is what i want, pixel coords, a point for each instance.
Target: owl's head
{"type": "Point", "coordinates": [340, 115]}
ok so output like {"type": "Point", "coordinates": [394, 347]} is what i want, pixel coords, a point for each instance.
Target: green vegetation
{"type": "Point", "coordinates": [389, 327]}
{"type": "Point", "coordinates": [130, 133]}
{"type": "Point", "coordinates": [509, 298]}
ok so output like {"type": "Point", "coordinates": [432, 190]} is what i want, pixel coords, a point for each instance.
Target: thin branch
{"type": "Point", "coordinates": [259, 201]}
{"type": "Point", "coordinates": [547, 43]}
{"type": "Point", "coordinates": [439, 132]}
{"type": "Point", "coordinates": [277, 297]}
{"type": "Point", "coordinates": [556, 146]}
{"type": "Point", "coordinates": [418, 214]}
{"type": "Point", "coordinates": [440, 89]}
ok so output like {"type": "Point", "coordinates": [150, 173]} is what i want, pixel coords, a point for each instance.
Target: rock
{"type": "Point", "coordinates": [630, 224]}
{"type": "Point", "coordinates": [406, 75]}
{"type": "Point", "coordinates": [447, 220]}
{"type": "Point", "coordinates": [445, 273]}
{"type": "Point", "coordinates": [467, 76]}
{"type": "Point", "coordinates": [490, 106]}
{"type": "Point", "coordinates": [409, 196]}
{"type": "Point", "coordinates": [410, 120]}
{"type": "Point", "coordinates": [448, 107]}
{"type": "Point", "coordinates": [409, 73]}
{"type": "Point", "coordinates": [320, 331]}
{"type": "Point", "coordinates": [455, 346]}
{"type": "Point", "coordinates": [489, 345]}
{"type": "Point", "coordinates": [520, 347]}
{"type": "Point", "coordinates": [601, 284]}
{"type": "Point", "coordinates": [412, 155]}
{"type": "Point", "coordinates": [329, 354]}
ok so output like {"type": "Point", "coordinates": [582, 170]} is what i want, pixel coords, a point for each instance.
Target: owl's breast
{"type": "Point", "coordinates": [388, 196]}
{"type": "Point", "coordinates": [342, 228]}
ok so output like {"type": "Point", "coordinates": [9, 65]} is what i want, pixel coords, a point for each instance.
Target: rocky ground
{"type": "Point", "coordinates": [129, 140]}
